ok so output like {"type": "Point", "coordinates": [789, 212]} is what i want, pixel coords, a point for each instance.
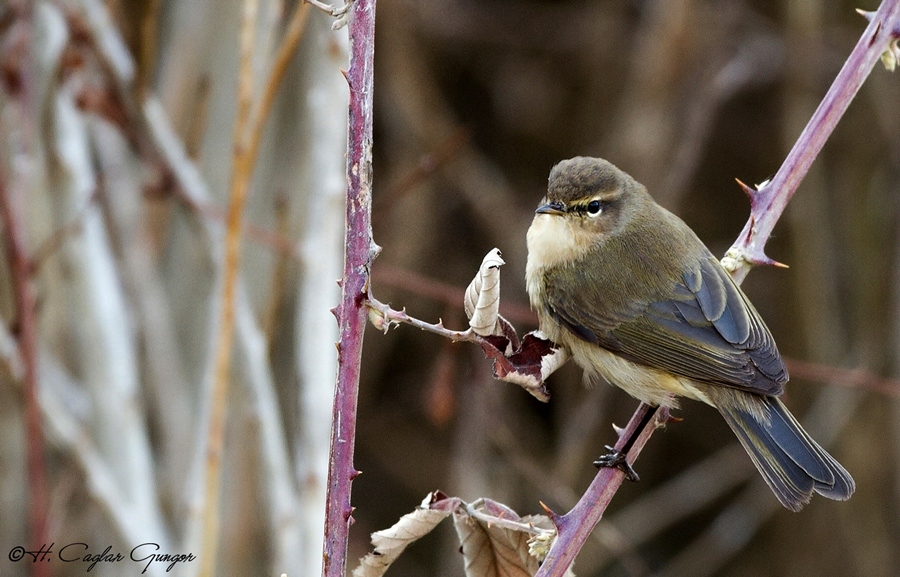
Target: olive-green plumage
{"type": "Point", "coordinates": [640, 301]}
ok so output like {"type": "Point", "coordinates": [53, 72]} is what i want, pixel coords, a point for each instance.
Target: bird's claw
{"type": "Point", "coordinates": [618, 460]}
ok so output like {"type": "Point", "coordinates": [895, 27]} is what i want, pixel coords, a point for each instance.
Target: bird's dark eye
{"type": "Point", "coordinates": [593, 208]}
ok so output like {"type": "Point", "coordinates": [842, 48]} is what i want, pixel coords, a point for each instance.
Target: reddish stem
{"type": "Point", "coordinates": [24, 295]}
{"type": "Point", "coordinates": [576, 526]}
{"type": "Point", "coordinates": [769, 202]}
{"type": "Point", "coordinates": [359, 253]}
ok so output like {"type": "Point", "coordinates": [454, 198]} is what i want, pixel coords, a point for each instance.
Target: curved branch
{"type": "Point", "coordinates": [769, 200]}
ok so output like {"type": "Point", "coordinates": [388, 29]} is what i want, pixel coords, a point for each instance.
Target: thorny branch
{"type": "Point", "coordinates": [359, 252]}
{"type": "Point", "coordinates": [768, 200]}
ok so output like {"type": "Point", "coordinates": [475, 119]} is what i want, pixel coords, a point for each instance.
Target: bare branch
{"type": "Point", "coordinates": [769, 200]}
{"type": "Point", "coordinates": [359, 252]}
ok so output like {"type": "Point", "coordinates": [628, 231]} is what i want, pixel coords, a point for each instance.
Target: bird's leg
{"type": "Point", "coordinates": [618, 457]}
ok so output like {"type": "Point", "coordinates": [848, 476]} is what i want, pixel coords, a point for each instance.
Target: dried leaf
{"type": "Point", "coordinates": [390, 543]}
{"type": "Point", "coordinates": [495, 540]}
{"type": "Point", "coordinates": [532, 362]}
{"type": "Point", "coordinates": [482, 301]}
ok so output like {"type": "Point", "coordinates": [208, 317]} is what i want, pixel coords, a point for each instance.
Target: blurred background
{"type": "Point", "coordinates": [118, 123]}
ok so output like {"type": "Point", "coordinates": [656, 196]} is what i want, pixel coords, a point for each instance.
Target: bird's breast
{"type": "Point", "coordinates": [553, 241]}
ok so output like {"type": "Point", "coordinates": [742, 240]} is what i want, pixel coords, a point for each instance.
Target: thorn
{"type": "Point", "coordinates": [619, 430]}
{"type": "Point", "coordinates": [336, 311]}
{"type": "Point", "coordinates": [672, 419]}
{"type": "Point", "coordinates": [350, 519]}
{"type": "Point", "coordinates": [340, 282]}
{"type": "Point", "coordinates": [338, 347]}
{"type": "Point", "coordinates": [346, 77]}
{"type": "Point", "coordinates": [750, 192]}
{"type": "Point", "coordinates": [553, 516]}
{"type": "Point", "coordinates": [867, 15]}
{"type": "Point", "coordinates": [765, 260]}
{"type": "Point", "coordinates": [354, 474]}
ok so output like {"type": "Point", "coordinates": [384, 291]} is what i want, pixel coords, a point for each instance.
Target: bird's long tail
{"type": "Point", "coordinates": [790, 461]}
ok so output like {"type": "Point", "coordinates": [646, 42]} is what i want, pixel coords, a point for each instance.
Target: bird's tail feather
{"type": "Point", "coordinates": [790, 461]}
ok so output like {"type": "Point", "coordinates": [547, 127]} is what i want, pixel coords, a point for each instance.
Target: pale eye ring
{"type": "Point", "coordinates": [594, 208]}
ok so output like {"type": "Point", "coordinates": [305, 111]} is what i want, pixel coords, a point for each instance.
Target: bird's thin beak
{"type": "Point", "coordinates": [552, 208]}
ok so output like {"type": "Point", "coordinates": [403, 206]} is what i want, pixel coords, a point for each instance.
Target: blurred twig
{"type": "Point", "coordinates": [149, 24]}
{"type": "Point", "coordinates": [197, 125]}
{"type": "Point", "coordinates": [756, 61]}
{"type": "Point", "coordinates": [242, 170]}
{"type": "Point", "coordinates": [856, 378]}
{"type": "Point", "coordinates": [11, 215]}
{"type": "Point", "coordinates": [428, 163]}
{"type": "Point", "coordinates": [275, 240]}
{"type": "Point", "coordinates": [280, 274]}
{"type": "Point", "coordinates": [249, 126]}
{"type": "Point", "coordinates": [52, 244]}
{"type": "Point", "coordinates": [286, 51]}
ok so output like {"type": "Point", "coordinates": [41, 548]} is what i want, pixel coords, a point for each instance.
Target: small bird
{"type": "Point", "coordinates": [639, 301]}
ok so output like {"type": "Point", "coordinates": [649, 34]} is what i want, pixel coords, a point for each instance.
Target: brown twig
{"type": "Point", "coordinates": [427, 165]}
{"type": "Point", "coordinates": [149, 23]}
{"type": "Point", "coordinates": [856, 378]}
{"type": "Point", "coordinates": [25, 299]}
{"type": "Point", "coordinates": [242, 170]}
{"type": "Point", "coordinates": [197, 124]}
{"type": "Point", "coordinates": [279, 274]}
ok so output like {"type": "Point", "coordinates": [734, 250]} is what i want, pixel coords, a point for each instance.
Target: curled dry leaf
{"type": "Point", "coordinates": [526, 364]}
{"type": "Point", "coordinates": [482, 300]}
{"type": "Point", "coordinates": [391, 542]}
{"type": "Point", "coordinates": [494, 540]}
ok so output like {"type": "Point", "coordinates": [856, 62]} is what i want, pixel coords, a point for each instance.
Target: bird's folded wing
{"type": "Point", "coordinates": [707, 330]}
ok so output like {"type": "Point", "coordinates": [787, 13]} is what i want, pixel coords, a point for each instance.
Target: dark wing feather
{"type": "Point", "coordinates": [707, 330]}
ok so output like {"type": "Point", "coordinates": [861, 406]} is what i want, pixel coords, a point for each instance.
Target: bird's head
{"type": "Point", "coordinates": [588, 200]}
